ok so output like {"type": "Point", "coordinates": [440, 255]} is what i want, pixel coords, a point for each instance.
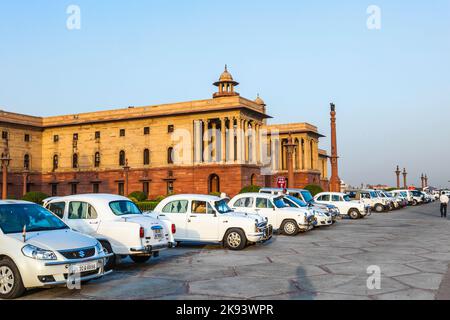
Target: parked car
{"type": "Point", "coordinates": [389, 200]}
{"type": "Point", "coordinates": [116, 222]}
{"type": "Point", "coordinates": [404, 194]}
{"type": "Point", "coordinates": [321, 216]}
{"type": "Point", "coordinates": [288, 220]}
{"type": "Point", "coordinates": [370, 198]}
{"type": "Point", "coordinates": [347, 207]}
{"type": "Point", "coordinates": [202, 218]}
{"type": "Point", "coordinates": [400, 202]}
{"type": "Point", "coordinates": [305, 196]}
{"type": "Point", "coordinates": [37, 249]}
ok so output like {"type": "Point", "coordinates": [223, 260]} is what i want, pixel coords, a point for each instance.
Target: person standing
{"type": "Point", "coordinates": [444, 203]}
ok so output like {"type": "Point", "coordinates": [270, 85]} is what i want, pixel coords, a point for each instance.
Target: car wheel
{"type": "Point", "coordinates": [235, 239]}
{"type": "Point", "coordinates": [379, 208]}
{"type": "Point", "coordinates": [140, 259]}
{"type": "Point", "coordinates": [415, 203]}
{"type": "Point", "coordinates": [289, 228]}
{"type": "Point", "coordinates": [111, 261]}
{"type": "Point", "coordinates": [354, 214]}
{"type": "Point", "coordinates": [11, 285]}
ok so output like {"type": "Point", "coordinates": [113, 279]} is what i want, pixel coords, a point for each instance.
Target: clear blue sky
{"type": "Point", "coordinates": [391, 86]}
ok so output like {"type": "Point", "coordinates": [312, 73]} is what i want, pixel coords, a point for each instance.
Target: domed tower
{"type": "Point", "coordinates": [226, 85]}
{"type": "Point", "coordinates": [261, 102]}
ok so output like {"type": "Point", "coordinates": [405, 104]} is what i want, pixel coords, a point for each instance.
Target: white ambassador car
{"type": "Point", "coordinates": [116, 222]}
{"type": "Point", "coordinates": [322, 216]}
{"type": "Point", "coordinates": [202, 218]}
{"type": "Point", "coordinates": [352, 208]}
{"type": "Point", "coordinates": [281, 216]}
{"type": "Point", "coordinates": [39, 250]}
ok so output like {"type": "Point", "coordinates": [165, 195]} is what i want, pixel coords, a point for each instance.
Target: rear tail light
{"type": "Point", "coordinates": [141, 232]}
{"type": "Point", "coordinates": [174, 228]}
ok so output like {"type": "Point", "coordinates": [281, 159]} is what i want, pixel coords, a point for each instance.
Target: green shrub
{"type": "Point", "coordinates": [34, 196]}
{"type": "Point", "coordinates": [250, 189]}
{"type": "Point", "coordinates": [314, 189]}
{"type": "Point", "coordinates": [160, 198]}
{"type": "Point", "coordinates": [215, 194]}
{"type": "Point", "coordinates": [147, 205]}
{"type": "Point", "coordinates": [133, 199]}
{"type": "Point", "coordinates": [138, 195]}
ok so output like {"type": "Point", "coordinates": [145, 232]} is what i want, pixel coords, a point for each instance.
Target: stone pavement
{"type": "Point", "coordinates": [410, 246]}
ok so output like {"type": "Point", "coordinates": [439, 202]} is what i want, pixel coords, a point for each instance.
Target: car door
{"type": "Point", "coordinates": [82, 217]}
{"type": "Point", "coordinates": [177, 212]}
{"type": "Point", "coordinates": [265, 208]}
{"type": "Point", "coordinates": [203, 223]}
{"type": "Point", "coordinates": [244, 204]}
{"type": "Point", "coordinates": [325, 199]}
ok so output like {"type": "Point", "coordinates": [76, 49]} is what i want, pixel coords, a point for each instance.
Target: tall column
{"type": "Point", "coordinates": [422, 178]}
{"type": "Point", "coordinates": [258, 143]}
{"type": "Point", "coordinates": [426, 181]}
{"type": "Point", "coordinates": [214, 141]}
{"type": "Point", "coordinates": [223, 140]}
{"type": "Point", "coordinates": [335, 181]}
{"type": "Point", "coordinates": [290, 147]}
{"type": "Point", "coordinates": [405, 185]}
{"type": "Point", "coordinates": [231, 132]}
{"type": "Point", "coordinates": [246, 148]}
{"type": "Point", "coordinates": [25, 182]}
{"type": "Point", "coordinates": [5, 159]}
{"type": "Point", "coordinates": [239, 140]}
{"type": "Point", "coordinates": [198, 141]}
{"type": "Point", "coordinates": [206, 145]}
{"type": "Point", "coordinates": [398, 172]}
{"type": "Point", "coordinates": [254, 147]}
{"type": "Point", "coordinates": [126, 170]}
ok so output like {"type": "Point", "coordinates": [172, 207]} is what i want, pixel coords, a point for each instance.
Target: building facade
{"type": "Point", "coordinates": [215, 145]}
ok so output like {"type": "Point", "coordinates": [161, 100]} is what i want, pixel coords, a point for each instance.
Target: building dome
{"type": "Point", "coordinates": [226, 76]}
{"type": "Point", "coordinates": [260, 101]}
{"type": "Point", "coordinates": [226, 85]}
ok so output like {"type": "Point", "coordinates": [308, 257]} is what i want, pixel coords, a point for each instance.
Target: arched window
{"type": "Point", "coordinates": [75, 161]}
{"type": "Point", "coordinates": [122, 158]}
{"type": "Point", "coordinates": [146, 157]}
{"type": "Point", "coordinates": [297, 155]}
{"type": "Point", "coordinates": [214, 183]}
{"type": "Point", "coordinates": [55, 162]}
{"type": "Point", "coordinates": [253, 180]}
{"type": "Point", "coordinates": [97, 159]}
{"type": "Point", "coordinates": [26, 162]}
{"type": "Point", "coordinates": [170, 155]}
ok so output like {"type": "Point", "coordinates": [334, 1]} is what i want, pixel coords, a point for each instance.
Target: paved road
{"type": "Point", "coordinates": [412, 248]}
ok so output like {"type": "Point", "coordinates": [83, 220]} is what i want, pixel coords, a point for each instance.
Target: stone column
{"type": "Point", "coordinates": [206, 145]}
{"type": "Point", "coordinates": [290, 147]}
{"type": "Point", "coordinates": [5, 159]}
{"type": "Point", "coordinates": [245, 137]}
{"type": "Point", "coordinates": [405, 174]}
{"type": "Point", "coordinates": [231, 132]}
{"type": "Point", "coordinates": [126, 170]}
{"type": "Point", "coordinates": [258, 143]}
{"type": "Point", "coordinates": [254, 146]}
{"type": "Point", "coordinates": [422, 178]}
{"type": "Point", "coordinates": [198, 141]}
{"type": "Point", "coordinates": [335, 181]}
{"type": "Point", "coordinates": [398, 172]}
{"type": "Point", "coordinates": [239, 140]}
{"type": "Point", "coordinates": [214, 141]}
{"type": "Point", "coordinates": [25, 182]}
{"type": "Point", "coordinates": [223, 140]}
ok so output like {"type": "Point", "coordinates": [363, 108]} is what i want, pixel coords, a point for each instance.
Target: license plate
{"type": "Point", "coordinates": [85, 267]}
{"type": "Point", "coordinates": [158, 233]}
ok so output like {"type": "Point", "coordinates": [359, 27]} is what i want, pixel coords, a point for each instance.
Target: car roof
{"type": "Point", "coordinates": [332, 193]}
{"type": "Point", "coordinates": [281, 189]}
{"type": "Point", "coordinates": [260, 195]}
{"type": "Point", "coordinates": [202, 197]}
{"type": "Point", "coordinates": [2, 202]}
{"type": "Point", "coordinates": [89, 196]}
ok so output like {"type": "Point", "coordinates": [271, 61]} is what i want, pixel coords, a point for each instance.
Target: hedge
{"type": "Point", "coordinates": [34, 196]}
{"type": "Point", "coordinates": [250, 189]}
{"type": "Point", "coordinates": [138, 195]}
{"type": "Point", "coordinates": [147, 205]}
{"type": "Point", "coordinates": [314, 189]}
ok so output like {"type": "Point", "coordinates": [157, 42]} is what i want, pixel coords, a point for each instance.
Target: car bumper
{"type": "Point", "coordinates": [150, 248]}
{"type": "Point", "coordinates": [262, 236]}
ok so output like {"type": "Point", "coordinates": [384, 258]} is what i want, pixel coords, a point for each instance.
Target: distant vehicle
{"type": "Point", "coordinates": [37, 249]}
{"type": "Point", "coordinates": [370, 198]}
{"type": "Point", "coordinates": [414, 197]}
{"type": "Point", "coordinates": [305, 196]}
{"type": "Point", "coordinates": [282, 217]}
{"type": "Point", "coordinates": [352, 208]}
{"type": "Point", "coordinates": [116, 222]}
{"type": "Point", "coordinates": [208, 219]}
{"type": "Point", "coordinates": [321, 216]}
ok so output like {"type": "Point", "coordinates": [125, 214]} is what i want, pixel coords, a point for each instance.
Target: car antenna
{"type": "Point", "coordinates": [24, 233]}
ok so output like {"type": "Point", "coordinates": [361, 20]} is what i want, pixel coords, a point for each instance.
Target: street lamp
{"type": "Point", "coordinates": [5, 159]}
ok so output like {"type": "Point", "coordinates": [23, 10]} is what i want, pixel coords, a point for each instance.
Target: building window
{"type": "Point", "coordinates": [26, 162]}
{"type": "Point", "coordinates": [95, 188]}
{"type": "Point", "coordinates": [121, 188]}
{"type": "Point", "coordinates": [122, 159]}
{"type": "Point", "coordinates": [55, 162]}
{"type": "Point", "coordinates": [253, 180]}
{"type": "Point", "coordinates": [146, 130]}
{"type": "Point", "coordinates": [26, 137]}
{"type": "Point", "coordinates": [54, 190]}
{"type": "Point", "coordinates": [75, 137]}
{"type": "Point", "coordinates": [169, 187]}
{"type": "Point", "coordinates": [170, 155]}
{"type": "Point", "coordinates": [122, 132]}
{"type": "Point", "coordinates": [73, 188]}
{"type": "Point", "coordinates": [55, 138]}
{"type": "Point", "coordinates": [97, 135]}
{"type": "Point", "coordinates": [5, 135]}
{"type": "Point", "coordinates": [97, 159]}
{"type": "Point", "coordinates": [214, 183]}
{"type": "Point", "coordinates": [146, 157]}
{"type": "Point", "coordinates": [75, 161]}
{"type": "Point", "coordinates": [170, 128]}
{"type": "Point", "coordinates": [146, 188]}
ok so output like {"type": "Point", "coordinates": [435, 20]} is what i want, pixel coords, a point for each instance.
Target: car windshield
{"type": "Point", "coordinates": [416, 193]}
{"type": "Point", "coordinates": [222, 206]}
{"type": "Point", "coordinates": [297, 201]}
{"type": "Point", "coordinates": [15, 218]}
{"type": "Point", "coordinates": [279, 203]}
{"type": "Point", "coordinates": [307, 196]}
{"type": "Point", "coordinates": [373, 194]}
{"type": "Point", "coordinates": [347, 198]}
{"type": "Point", "coordinates": [389, 194]}
{"type": "Point", "coordinates": [124, 207]}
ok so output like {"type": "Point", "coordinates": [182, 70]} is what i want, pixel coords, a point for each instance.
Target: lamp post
{"type": "Point", "coordinates": [405, 185]}
{"type": "Point", "coordinates": [398, 172]}
{"type": "Point", "coordinates": [25, 174]}
{"type": "Point", "coordinates": [290, 146]}
{"type": "Point", "coordinates": [5, 159]}
{"type": "Point", "coordinates": [126, 169]}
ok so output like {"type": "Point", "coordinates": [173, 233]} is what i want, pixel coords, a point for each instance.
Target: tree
{"type": "Point", "coordinates": [34, 196]}
{"type": "Point", "coordinates": [314, 189]}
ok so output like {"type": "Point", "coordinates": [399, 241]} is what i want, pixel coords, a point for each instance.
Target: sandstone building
{"type": "Point", "coordinates": [214, 145]}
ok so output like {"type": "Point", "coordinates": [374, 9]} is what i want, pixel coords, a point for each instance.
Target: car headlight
{"type": "Point", "coordinates": [99, 248]}
{"type": "Point", "coordinates": [38, 253]}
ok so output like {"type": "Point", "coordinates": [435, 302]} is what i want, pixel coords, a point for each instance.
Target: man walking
{"type": "Point", "coordinates": [444, 203]}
